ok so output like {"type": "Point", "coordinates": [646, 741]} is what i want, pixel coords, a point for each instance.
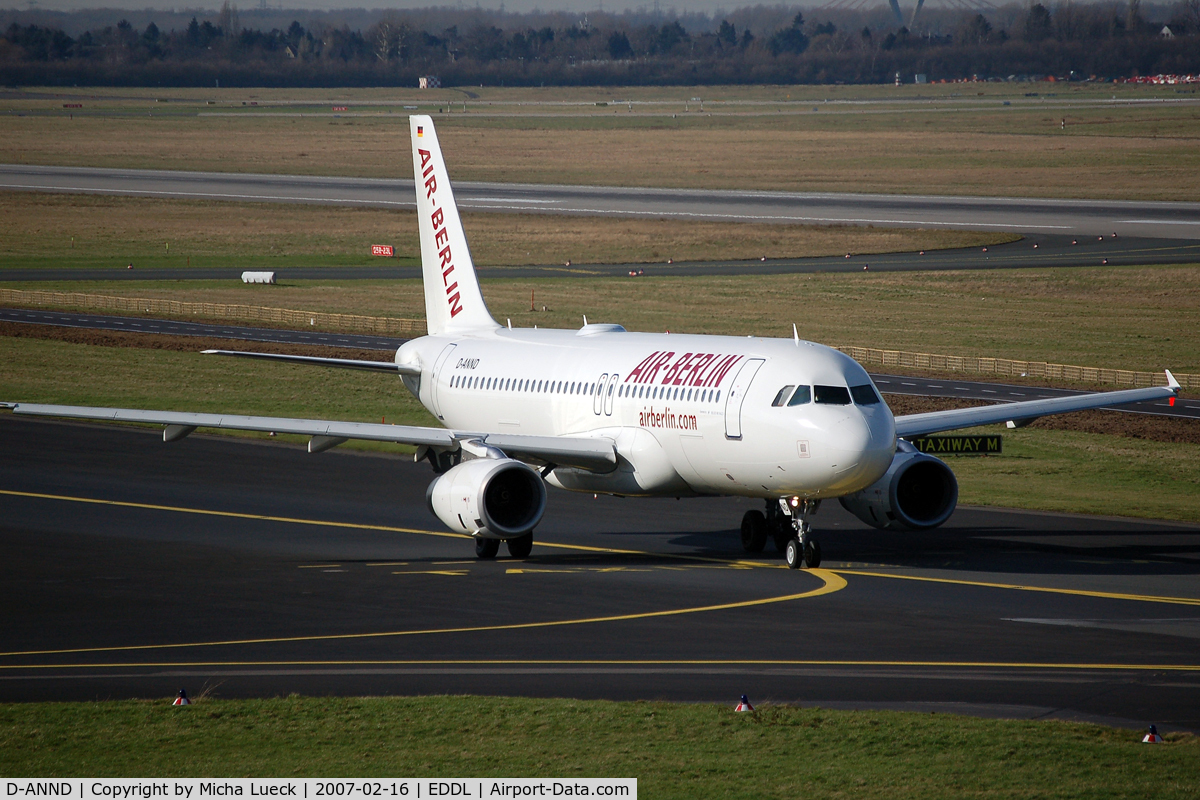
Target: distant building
{"type": "Point", "coordinates": [920, 77]}
{"type": "Point", "coordinates": [429, 82]}
{"type": "Point", "coordinates": [1166, 33]}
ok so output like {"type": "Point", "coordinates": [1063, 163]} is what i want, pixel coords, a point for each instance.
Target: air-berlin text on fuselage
{"type": "Point", "coordinates": [667, 419]}
{"type": "Point", "coordinates": [690, 369]}
{"type": "Point", "coordinates": [441, 238]}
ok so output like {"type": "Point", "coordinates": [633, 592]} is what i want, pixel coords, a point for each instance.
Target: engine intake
{"type": "Point", "coordinates": [917, 492]}
{"type": "Point", "coordinates": [496, 498]}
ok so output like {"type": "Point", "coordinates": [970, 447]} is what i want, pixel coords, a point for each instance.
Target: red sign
{"type": "Point", "coordinates": [382, 250]}
{"type": "Point", "coordinates": [341, 108]}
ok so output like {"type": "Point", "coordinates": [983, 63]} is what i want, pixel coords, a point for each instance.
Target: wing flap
{"type": "Point", "coordinates": [1029, 410]}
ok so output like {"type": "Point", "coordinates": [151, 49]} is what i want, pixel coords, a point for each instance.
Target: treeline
{"type": "Point", "coordinates": [1098, 41]}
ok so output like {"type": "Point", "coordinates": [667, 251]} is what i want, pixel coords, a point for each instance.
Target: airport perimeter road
{"type": "Point", "coordinates": [1035, 251]}
{"type": "Point", "coordinates": [1019, 215]}
{"type": "Point", "coordinates": [133, 568]}
{"type": "Point", "coordinates": [895, 384]}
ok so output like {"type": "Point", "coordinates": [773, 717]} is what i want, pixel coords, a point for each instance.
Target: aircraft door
{"type": "Point", "coordinates": [609, 392]}
{"type": "Point", "coordinates": [435, 378]}
{"type": "Point", "coordinates": [737, 395]}
{"type": "Point", "coordinates": [598, 394]}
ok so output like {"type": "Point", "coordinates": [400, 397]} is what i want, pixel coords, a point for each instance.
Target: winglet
{"type": "Point", "coordinates": [1172, 384]}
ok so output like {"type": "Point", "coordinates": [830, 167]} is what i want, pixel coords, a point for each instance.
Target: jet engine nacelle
{"type": "Point", "coordinates": [916, 493]}
{"type": "Point", "coordinates": [494, 498]}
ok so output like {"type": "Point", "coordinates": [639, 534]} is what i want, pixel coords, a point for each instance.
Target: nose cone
{"type": "Point", "coordinates": [863, 444]}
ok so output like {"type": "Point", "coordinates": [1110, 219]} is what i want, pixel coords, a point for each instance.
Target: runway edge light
{"type": "Point", "coordinates": [181, 699]}
{"type": "Point", "coordinates": [1152, 736]}
{"type": "Point", "coordinates": [744, 705]}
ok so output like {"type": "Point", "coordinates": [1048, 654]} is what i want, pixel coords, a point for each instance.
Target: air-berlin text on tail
{"type": "Point", "coordinates": [690, 369]}
{"type": "Point", "coordinates": [441, 238]}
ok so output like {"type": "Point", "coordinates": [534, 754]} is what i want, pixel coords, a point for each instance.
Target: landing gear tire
{"type": "Point", "coordinates": [793, 553]}
{"type": "Point", "coordinates": [486, 548]}
{"type": "Point", "coordinates": [521, 546]}
{"type": "Point", "coordinates": [812, 554]}
{"type": "Point", "coordinates": [754, 531]}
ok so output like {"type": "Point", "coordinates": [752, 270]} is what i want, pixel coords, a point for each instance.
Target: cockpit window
{"type": "Point", "coordinates": [803, 395]}
{"type": "Point", "coordinates": [782, 397]}
{"type": "Point", "coordinates": [864, 395]}
{"type": "Point", "coordinates": [833, 395]}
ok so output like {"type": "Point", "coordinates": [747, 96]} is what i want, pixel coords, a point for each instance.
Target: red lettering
{"type": "Point", "coordinates": [425, 157]}
{"type": "Point", "coordinates": [699, 369]}
{"type": "Point", "coordinates": [446, 275]}
{"type": "Point", "coordinates": [454, 306]}
{"type": "Point", "coordinates": [425, 174]}
{"type": "Point", "coordinates": [436, 217]}
{"type": "Point", "coordinates": [687, 368]}
{"type": "Point", "coordinates": [637, 371]}
{"type": "Point", "coordinates": [652, 371]}
{"type": "Point", "coordinates": [719, 373]}
{"type": "Point", "coordinates": [452, 287]}
{"type": "Point", "coordinates": [673, 372]}
{"type": "Point", "coordinates": [430, 186]}
{"type": "Point", "coordinates": [444, 254]}
{"type": "Point", "coordinates": [441, 237]}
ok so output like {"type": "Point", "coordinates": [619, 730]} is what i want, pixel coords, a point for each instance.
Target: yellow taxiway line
{"type": "Point", "coordinates": [587, 662]}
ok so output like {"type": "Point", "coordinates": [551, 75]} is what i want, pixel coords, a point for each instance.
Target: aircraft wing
{"type": "Point", "coordinates": [595, 454]}
{"type": "Point", "coordinates": [347, 363]}
{"type": "Point", "coordinates": [1027, 411]}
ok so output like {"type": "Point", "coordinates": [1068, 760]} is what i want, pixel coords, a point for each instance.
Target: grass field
{"type": "Point", "coordinates": [675, 751]}
{"type": "Point", "coordinates": [1041, 469]}
{"type": "Point", "coordinates": [1139, 318]}
{"type": "Point", "coordinates": [81, 231]}
{"type": "Point", "coordinates": [1071, 141]}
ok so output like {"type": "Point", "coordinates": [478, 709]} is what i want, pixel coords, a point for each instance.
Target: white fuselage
{"type": "Point", "coordinates": [689, 414]}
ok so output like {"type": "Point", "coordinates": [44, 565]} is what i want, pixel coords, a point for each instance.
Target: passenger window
{"type": "Point", "coordinates": [864, 395]}
{"type": "Point", "coordinates": [803, 395]}
{"type": "Point", "coordinates": [832, 395]}
{"type": "Point", "coordinates": [782, 397]}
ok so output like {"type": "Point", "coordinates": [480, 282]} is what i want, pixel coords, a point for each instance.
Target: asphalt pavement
{"type": "Point", "coordinates": [1020, 215]}
{"type": "Point", "coordinates": [133, 567]}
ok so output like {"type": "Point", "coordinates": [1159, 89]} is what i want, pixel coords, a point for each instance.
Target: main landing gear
{"type": "Point", "coordinates": [518, 546]}
{"type": "Point", "coordinates": [786, 522]}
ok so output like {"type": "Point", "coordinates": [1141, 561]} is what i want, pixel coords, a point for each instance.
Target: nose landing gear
{"type": "Point", "coordinates": [799, 548]}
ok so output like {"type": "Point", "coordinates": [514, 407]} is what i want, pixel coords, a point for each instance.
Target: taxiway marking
{"type": "Point", "coordinates": [1141, 598]}
{"type": "Point", "coordinates": [829, 583]}
{"type": "Point", "coordinates": [1021, 665]}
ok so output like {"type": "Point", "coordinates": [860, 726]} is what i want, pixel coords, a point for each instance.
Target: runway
{"type": "Point", "coordinates": [1019, 215]}
{"type": "Point", "coordinates": [133, 568]}
{"type": "Point", "coordinates": [893, 384]}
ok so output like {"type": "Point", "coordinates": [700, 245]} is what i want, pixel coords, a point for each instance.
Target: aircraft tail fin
{"type": "Point", "coordinates": [453, 302]}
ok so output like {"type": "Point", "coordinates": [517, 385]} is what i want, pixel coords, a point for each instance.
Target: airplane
{"type": "Point", "coordinates": [604, 410]}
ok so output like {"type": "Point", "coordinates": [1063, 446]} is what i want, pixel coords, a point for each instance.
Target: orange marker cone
{"type": "Point", "coordinates": [744, 705]}
{"type": "Point", "coordinates": [181, 699]}
{"type": "Point", "coordinates": [1152, 737]}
